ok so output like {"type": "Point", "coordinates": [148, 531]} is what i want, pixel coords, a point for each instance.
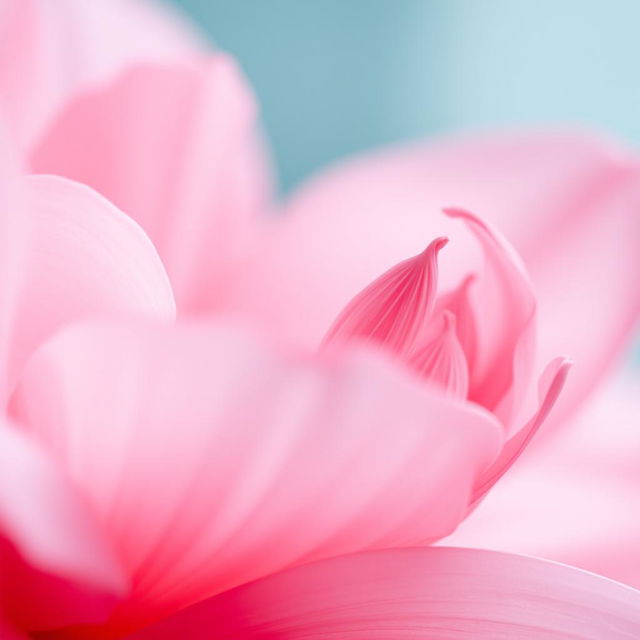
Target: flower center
{"type": "Point", "coordinates": [401, 312]}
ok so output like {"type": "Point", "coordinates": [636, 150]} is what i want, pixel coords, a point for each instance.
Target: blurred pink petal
{"type": "Point", "coordinates": [573, 499]}
{"type": "Point", "coordinates": [212, 461]}
{"type": "Point", "coordinates": [430, 594]}
{"type": "Point", "coordinates": [57, 565]}
{"type": "Point", "coordinates": [12, 230]}
{"type": "Point", "coordinates": [176, 148]}
{"type": "Point", "coordinates": [51, 50]}
{"type": "Point", "coordinates": [80, 257]}
{"type": "Point", "coordinates": [568, 203]}
{"type": "Point", "coordinates": [551, 384]}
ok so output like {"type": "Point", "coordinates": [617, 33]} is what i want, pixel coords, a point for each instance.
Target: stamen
{"type": "Point", "coordinates": [442, 360]}
{"type": "Point", "coordinates": [392, 310]}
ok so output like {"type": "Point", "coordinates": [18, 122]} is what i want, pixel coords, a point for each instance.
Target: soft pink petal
{"type": "Point", "coordinates": [574, 498]}
{"type": "Point", "coordinates": [551, 384]}
{"type": "Point", "coordinates": [176, 148]}
{"type": "Point", "coordinates": [80, 257]}
{"type": "Point", "coordinates": [505, 309]}
{"type": "Point", "coordinates": [442, 360]}
{"type": "Point", "coordinates": [57, 567]}
{"type": "Point", "coordinates": [430, 594]}
{"type": "Point", "coordinates": [49, 51]}
{"type": "Point", "coordinates": [394, 308]}
{"type": "Point", "coordinates": [568, 202]}
{"type": "Point", "coordinates": [458, 302]}
{"type": "Point", "coordinates": [212, 461]}
{"type": "Point", "coordinates": [12, 230]}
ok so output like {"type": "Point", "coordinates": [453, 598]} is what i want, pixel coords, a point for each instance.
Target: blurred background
{"type": "Point", "coordinates": [339, 76]}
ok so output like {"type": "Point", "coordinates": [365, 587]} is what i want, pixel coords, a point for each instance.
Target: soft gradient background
{"type": "Point", "coordinates": [339, 76]}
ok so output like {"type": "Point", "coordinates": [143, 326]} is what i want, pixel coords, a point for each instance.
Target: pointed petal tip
{"type": "Point", "coordinates": [438, 243]}
{"type": "Point", "coordinates": [452, 211]}
{"type": "Point", "coordinates": [456, 212]}
{"type": "Point", "coordinates": [433, 248]}
{"type": "Point", "coordinates": [566, 365]}
{"type": "Point", "coordinates": [554, 377]}
{"type": "Point", "coordinates": [469, 280]}
{"type": "Point", "coordinates": [393, 308]}
{"type": "Point", "coordinates": [464, 214]}
{"type": "Point", "coordinates": [566, 362]}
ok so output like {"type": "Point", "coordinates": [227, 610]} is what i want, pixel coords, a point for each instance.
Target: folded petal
{"type": "Point", "coordinates": [314, 260]}
{"type": "Point", "coordinates": [572, 498]}
{"type": "Point", "coordinates": [393, 309]}
{"type": "Point", "coordinates": [442, 360]}
{"type": "Point", "coordinates": [551, 384]}
{"type": "Point", "coordinates": [567, 202]}
{"type": "Point", "coordinates": [430, 594]}
{"type": "Point", "coordinates": [79, 257]}
{"type": "Point", "coordinates": [505, 318]}
{"type": "Point", "coordinates": [50, 51]}
{"type": "Point", "coordinates": [213, 461]}
{"type": "Point", "coordinates": [176, 148]}
{"type": "Point", "coordinates": [57, 567]}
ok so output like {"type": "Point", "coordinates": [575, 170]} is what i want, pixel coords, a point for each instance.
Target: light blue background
{"type": "Point", "coordinates": [338, 76]}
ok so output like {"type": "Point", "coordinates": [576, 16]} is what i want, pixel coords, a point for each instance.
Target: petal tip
{"type": "Point", "coordinates": [463, 214]}
{"type": "Point", "coordinates": [434, 247]}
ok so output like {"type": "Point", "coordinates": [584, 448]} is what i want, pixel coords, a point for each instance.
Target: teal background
{"type": "Point", "coordinates": [339, 76]}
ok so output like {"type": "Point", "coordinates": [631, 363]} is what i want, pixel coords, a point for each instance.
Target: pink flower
{"type": "Point", "coordinates": [567, 201]}
{"type": "Point", "coordinates": [194, 176]}
{"type": "Point", "coordinates": [162, 465]}
{"type": "Point", "coordinates": [164, 469]}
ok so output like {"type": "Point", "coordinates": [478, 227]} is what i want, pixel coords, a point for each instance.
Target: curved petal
{"type": "Point", "coordinates": [505, 316]}
{"type": "Point", "coordinates": [176, 147]}
{"type": "Point", "coordinates": [426, 594]}
{"type": "Point", "coordinates": [442, 360]}
{"type": "Point", "coordinates": [393, 309]}
{"type": "Point", "coordinates": [12, 230]}
{"type": "Point", "coordinates": [50, 51]}
{"type": "Point", "coordinates": [567, 202]}
{"type": "Point", "coordinates": [80, 257]}
{"type": "Point", "coordinates": [551, 384]}
{"type": "Point", "coordinates": [571, 499]}
{"type": "Point", "coordinates": [57, 567]}
{"type": "Point", "coordinates": [213, 461]}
